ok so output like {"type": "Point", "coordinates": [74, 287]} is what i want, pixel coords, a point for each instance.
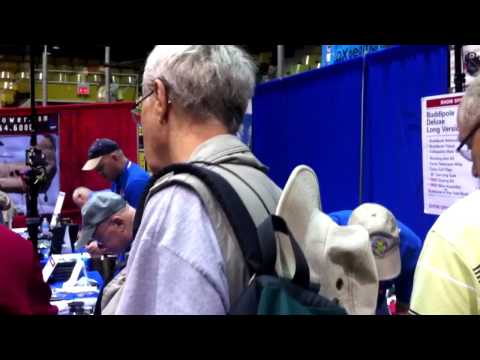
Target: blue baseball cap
{"type": "Point", "coordinates": [97, 150]}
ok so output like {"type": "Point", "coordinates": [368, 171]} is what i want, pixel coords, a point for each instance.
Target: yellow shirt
{"type": "Point", "coordinates": [447, 277]}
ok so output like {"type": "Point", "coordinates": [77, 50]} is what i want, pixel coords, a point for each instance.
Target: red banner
{"type": "Point", "coordinates": [79, 127]}
{"type": "Point", "coordinates": [450, 101]}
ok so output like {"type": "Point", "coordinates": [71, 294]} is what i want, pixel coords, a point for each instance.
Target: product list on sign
{"type": "Point", "coordinates": [446, 175]}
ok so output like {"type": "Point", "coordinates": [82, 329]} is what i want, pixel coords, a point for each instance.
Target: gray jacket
{"type": "Point", "coordinates": [229, 152]}
{"type": "Point", "coordinates": [112, 292]}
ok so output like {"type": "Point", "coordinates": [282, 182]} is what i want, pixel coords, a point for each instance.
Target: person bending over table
{"type": "Point", "coordinates": [108, 219]}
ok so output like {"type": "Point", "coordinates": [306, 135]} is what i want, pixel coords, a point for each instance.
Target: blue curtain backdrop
{"type": "Point", "coordinates": [396, 80]}
{"type": "Point", "coordinates": [314, 118]}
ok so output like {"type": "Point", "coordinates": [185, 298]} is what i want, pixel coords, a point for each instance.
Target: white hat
{"type": "Point", "coordinates": [384, 237]}
{"type": "Point", "coordinates": [339, 257]}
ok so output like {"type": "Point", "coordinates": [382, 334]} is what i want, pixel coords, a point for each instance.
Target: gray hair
{"type": "Point", "coordinates": [205, 80]}
{"type": "Point", "coordinates": [469, 110]}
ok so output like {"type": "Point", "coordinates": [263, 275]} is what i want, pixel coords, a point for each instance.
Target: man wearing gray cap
{"type": "Point", "coordinates": [107, 218]}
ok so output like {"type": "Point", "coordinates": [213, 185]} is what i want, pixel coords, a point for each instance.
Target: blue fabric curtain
{"type": "Point", "coordinates": [396, 80]}
{"type": "Point", "coordinates": [313, 119]}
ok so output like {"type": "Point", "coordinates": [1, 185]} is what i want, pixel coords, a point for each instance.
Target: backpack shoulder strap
{"type": "Point", "coordinates": [237, 214]}
{"type": "Point", "coordinates": [258, 246]}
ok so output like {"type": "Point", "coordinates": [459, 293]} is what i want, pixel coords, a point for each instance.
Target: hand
{"type": "Point", "coordinates": [4, 201]}
{"type": "Point", "coordinates": [94, 250]}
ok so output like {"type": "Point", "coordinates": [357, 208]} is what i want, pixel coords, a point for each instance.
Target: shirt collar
{"type": "Point", "coordinates": [121, 179]}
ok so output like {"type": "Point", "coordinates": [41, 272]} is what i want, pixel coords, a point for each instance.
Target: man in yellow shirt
{"type": "Point", "coordinates": [447, 277]}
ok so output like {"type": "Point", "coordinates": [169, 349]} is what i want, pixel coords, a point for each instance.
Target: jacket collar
{"type": "Point", "coordinates": [226, 149]}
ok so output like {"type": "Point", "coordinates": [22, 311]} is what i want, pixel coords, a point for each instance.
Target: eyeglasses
{"type": "Point", "coordinates": [137, 108]}
{"type": "Point", "coordinates": [466, 152]}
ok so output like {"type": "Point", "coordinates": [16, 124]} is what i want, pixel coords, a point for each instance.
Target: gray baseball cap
{"type": "Point", "coordinates": [99, 207]}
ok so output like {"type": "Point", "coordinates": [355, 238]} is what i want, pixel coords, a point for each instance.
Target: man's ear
{"type": "Point", "coordinates": [161, 100]}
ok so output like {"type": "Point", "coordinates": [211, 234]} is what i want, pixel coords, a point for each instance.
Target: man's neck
{"type": "Point", "coordinates": [188, 138]}
{"type": "Point", "coordinates": [122, 165]}
{"type": "Point", "coordinates": [124, 162]}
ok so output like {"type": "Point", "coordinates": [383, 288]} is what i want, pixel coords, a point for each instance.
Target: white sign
{"type": "Point", "coordinates": [447, 176]}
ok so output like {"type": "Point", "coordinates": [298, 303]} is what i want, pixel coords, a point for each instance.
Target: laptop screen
{"type": "Point", "coordinates": [57, 209]}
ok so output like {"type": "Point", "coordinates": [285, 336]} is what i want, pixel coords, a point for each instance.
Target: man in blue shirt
{"type": "Point", "coordinates": [410, 247]}
{"type": "Point", "coordinates": [128, 179]}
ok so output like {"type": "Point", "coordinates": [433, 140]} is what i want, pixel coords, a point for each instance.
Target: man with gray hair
{"type": "Point", "coordinates": [447, 277]}
{"type": "Point", "coordinates": [185, 258]}
{"type": "Point", "coordinates": [80, 196]}
{"type": "Point", "coordinates": [107, 218]}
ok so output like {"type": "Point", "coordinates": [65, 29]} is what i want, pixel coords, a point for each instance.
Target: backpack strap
{"type": "Point", "coordinates": [258, 246]}
{"type": "Point", "coordinates": [302, 272]}
{"type": "Point", "coordinates": [141, 207]}
{"type": "Point", "coordinates": [240, 220]}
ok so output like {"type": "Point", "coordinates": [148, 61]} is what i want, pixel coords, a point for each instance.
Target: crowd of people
{"type": "Point", "coordinates": [176, 251]}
